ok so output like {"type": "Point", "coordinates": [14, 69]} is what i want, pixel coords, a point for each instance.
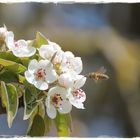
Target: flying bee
{"type": "Point", "coordinates": [99, 74]}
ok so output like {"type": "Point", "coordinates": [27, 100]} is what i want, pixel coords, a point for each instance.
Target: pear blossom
{"type": "Point", "coordinates": [40, 74]}
{"type": "Point", "coordinates": [76, 95]}
{"type": "Point", "coordinates": [20, 48]}
{"type": "Point", "coordinates": [71, 63]}
{"type": "Point", "coordinates": [57, 101]}
{"type": "Point", "coordinates": [47, 52]}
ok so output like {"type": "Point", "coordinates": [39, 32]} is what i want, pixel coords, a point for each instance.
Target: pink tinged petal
{"type": "Point", "coordinates": [41, 85]}
{"type": "Point", "coordinates": [65, 80]}
{"type": "Point", "coordinates": [33, 65]}
{"type": "Point", "coordinates": [77, 104]}
{"type": "Point", "coordinates": [29, 77]}
{"type": "Point", "coordinates": [80, 81]}
{"type": "Point", "coordinates": [79, 95]}
{"type": "Point", "coordinates": [22, 43]}
{"type": "Point", "coordinates": [65, 107]}
{"type": "Point", "coordinates": [51, 111]}
{"type": "Point", "coordinates": [22, 49]}
{"type": "Point", "coordinates": [28, 50]}
{"type": "Point", "coordinates": [10, 40]}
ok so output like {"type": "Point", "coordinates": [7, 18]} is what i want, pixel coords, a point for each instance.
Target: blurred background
{"type": "Point", "coordinates": [103, 35]}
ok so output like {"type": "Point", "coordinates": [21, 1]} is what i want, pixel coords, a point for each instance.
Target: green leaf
{"type": "Point", "coordinates": [22, 79]}
{"type": "Point", "coordinates": [35, 111]}
{"type": "Point", "coordinates": [20, 89]}
{"type": "Point", "coordinates": [12, 66]}
{"type": "Point", "coordinates": [10, 100]}
{"type": "Point", "coordinates": [40, 110]}
{"type": "Point", "coordinates": [9, 56]}
{"type": "Point", "coordinates": [25, 61]}
{"type": "Point", "coordinates": [8, 76]}
{"type": "Point", "coordinates": [3, 94]}
{"type": "Point", "coordinates": [38, 127]}
{"type": "Point", "coordinates": [62, 125]}
{"type": "Point", "coordinates": [69, 121]}
{"type": "Point", "coordinates": [48, 123]}
{"type": "Point", "coordinates": [12, 103]}
{"type": "Point", "coordinates": [2, 110]}
{"type": "Point", "coordinates": [40, 40]}
{"type": "Point", "coordinates": [30, 102]}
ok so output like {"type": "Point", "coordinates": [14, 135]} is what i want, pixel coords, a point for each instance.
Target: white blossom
{"type": "Point", "coordinates": [76, 95]}
{"type": "Point", "coordinates": [19, 48]}
{"type": "Point", "coordinates": [71, 63]}
{"type": "Point", "coordinates": [48, 51]}
{"type": "Point", "coordinates": [57, 100]}
{"type": "Point", "coordinates": [40, 74]}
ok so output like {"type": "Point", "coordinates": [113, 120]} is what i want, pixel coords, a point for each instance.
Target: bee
{"type": "Point", "coordinates": [99, 74]}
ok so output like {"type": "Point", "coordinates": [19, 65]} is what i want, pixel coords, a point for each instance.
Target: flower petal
{"type": "Point", "coordinates": [80, 96]}
{"type": "Point", "coordinates": [10, 40]}
{"type": "Point", "coordinates": [80, 81]}
{"type": "Point", "coordinates": [77, 104]}
{"type": "Point", "coordinates": [47, 102]}
{"type": "Point", "coordinates": [55, 46]}
{"type": "Point", "coordinates": [23, 50]}
{"type": "Point", "coordinates": [33, 65]}
{"type": "Point", "coordinates": [41, 85]}
{"type": "Point", "coordinates": [69, 54]}
{"type": "Point", "coordinates": [44, 63]}
{"type": "Point", "coordinates": [65, 107]}
{"type": "Point", "coordinates": [46, 51]}
{"type": "Point", "coordinates": [62, 91]}
{"type": "Point", "coordinates": [51, 111]}
{"type": "Point", "coordinates": [31, 51]}
{"type": "Point", "coordinates": [51, 75]}
{"type": "Point", "coordinates": [22, 43]}
{"type": "Point", "coordinates": [29, 77]}
{"type": "Point", "coordinates": [65, 80]}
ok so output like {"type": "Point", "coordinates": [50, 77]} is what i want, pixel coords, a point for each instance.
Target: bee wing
{"type": "Point", "coordinates": [101, 70]}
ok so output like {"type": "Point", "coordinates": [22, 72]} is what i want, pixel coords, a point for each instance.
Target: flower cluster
{"type": "Point", "coordinates": [55, 72]}
{"type": "Point", "coordinates": [58, 73]}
